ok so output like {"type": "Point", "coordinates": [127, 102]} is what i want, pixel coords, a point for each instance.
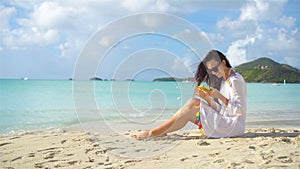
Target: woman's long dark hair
{"type": "Point", "coordinates": [202, 74]}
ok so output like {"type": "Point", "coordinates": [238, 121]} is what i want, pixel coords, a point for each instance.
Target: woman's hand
{"type": "Point", "coordinates": [200, 93]}
{"type": "Point", "coordinates": [214, 93]}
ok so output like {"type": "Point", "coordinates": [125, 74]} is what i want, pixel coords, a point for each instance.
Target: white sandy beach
{"type": "Point", "coordinates": [258, 148]}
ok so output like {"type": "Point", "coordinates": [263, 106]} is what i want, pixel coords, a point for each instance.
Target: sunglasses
{"type": "Point", "coordinates": [214, 69]}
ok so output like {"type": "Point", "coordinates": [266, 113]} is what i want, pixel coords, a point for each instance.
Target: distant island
{"type": "Point", "coordinates": [189, 79]}
{"type": "Point", "coordinates": [266, 70]}
{"type": "Point", "coordinates": [96, 78]}
{"type": "Point", "coordinates": [262, 70]}
{"type": "Point", "coordinates": [100, 79]}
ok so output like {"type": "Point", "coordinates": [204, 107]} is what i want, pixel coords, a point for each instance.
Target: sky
{"type": "Point", "coordinates": [48, 39]}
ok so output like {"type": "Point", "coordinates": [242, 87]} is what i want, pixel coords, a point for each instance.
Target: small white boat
{"type": "Point", "coordinates": [25, 78]}
{"type": "Point", "coordinates": [278, 84]}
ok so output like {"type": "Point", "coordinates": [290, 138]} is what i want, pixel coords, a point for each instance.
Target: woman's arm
{"type": "Point", "coordinates": [206, 96]}
{"type": "Point", "coordinates": [216, 94]}
{"type": "Point", "coordinates": [237, 103]}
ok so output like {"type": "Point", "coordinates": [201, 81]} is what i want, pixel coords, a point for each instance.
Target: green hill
{"type": "Point", "coordinates": [268, 71]}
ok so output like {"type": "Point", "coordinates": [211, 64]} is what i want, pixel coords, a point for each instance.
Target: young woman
{"type": "Point", "coordinates": [222, 108]}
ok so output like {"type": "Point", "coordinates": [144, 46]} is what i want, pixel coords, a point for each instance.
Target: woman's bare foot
{"type": "Point", "coordinates": [145, 135]}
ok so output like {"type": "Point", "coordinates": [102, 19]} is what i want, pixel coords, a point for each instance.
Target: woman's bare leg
{"type": "Point", "coordinates": [179, 120]}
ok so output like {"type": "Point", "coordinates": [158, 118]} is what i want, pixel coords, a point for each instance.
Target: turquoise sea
{"type": "Point", "coordinates": [29, 105]}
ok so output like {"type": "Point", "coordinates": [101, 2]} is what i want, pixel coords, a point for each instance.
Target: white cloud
{"type": "Point", "coordinates": [279, 44]}
{"type": "Point", "coordinates": [254, 10]}
{"type": "Point", "coordinates": [136, 5]}
{"type": "Point", "coordinates": [178, 66]}
{"type": "Point", "coordinates": [73, 21]}
{"type": "Point", "coordinates": [262, 10]}
{"type": "Point", "coordinates": [49, 21]}
{"type": "Point", "coordinates": [27, 4]}
{"type": "Point", "coordinates": [237, 28]}
{"type": "Point", "coordinates": [22, 38]}
{"type": "Point", "coordinates": [253, 13]}
{"type": "Point", "coordinates": [106, 41]}
{"type": "Point", "coordinates": [283, 40]}
{"type": "Point", "coordinates": [261, 30]}
{"type": "Point", "coordinates": [237, 50]}
{"type": "Point", "coordinates": [185, 34]}
{"type": "Point", "coordinates": [287, 22]}
{"type": "Point", "coordinates": [215, 38]}
{"type": "Point", "coordinates": [63, 48]}
{"type": "Point", "coordinates": [52, 16]}
{"type": "Point", "coordinates": [5, 15]}
{"type": "Point", "coordinates": [152, 21]}
{"type": "Point", "coordinates": [169, 6]}
{"type": "Point", "coordinates": [50, 36]}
